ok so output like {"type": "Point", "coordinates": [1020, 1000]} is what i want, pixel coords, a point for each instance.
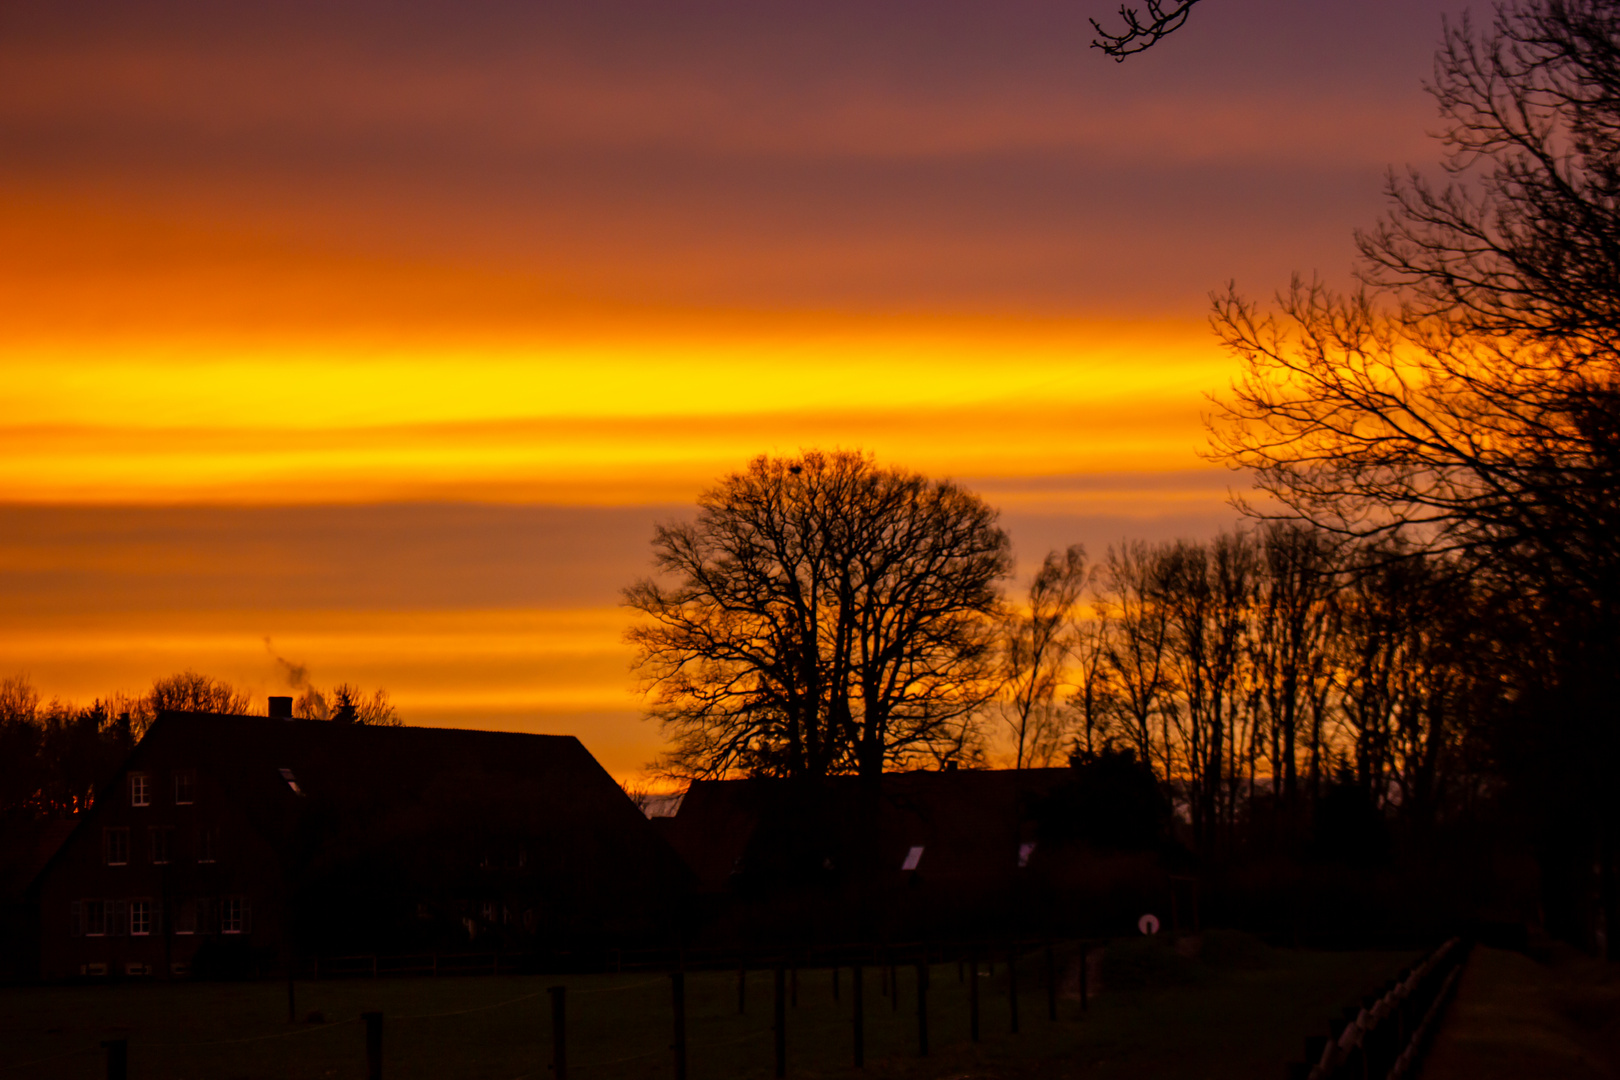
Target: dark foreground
{"type": "Point", "coordinates": [1239, 1011]}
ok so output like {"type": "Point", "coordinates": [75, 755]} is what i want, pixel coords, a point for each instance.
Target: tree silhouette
{"type": "Point", "coordinates": [1138, 653]}
{"type": "Point", "coordinates": [1038, 641]}
{"type": "Point", "coordinates": [189, 691]}
{"type": "Point", "coordinates": [1144, 27]}
{"type": "Point", "coordinates": [821, 615]}
{"type": "Point", "coordinates": [347, 703]}
{"type": "Point", "coordinates": [1465, 403]}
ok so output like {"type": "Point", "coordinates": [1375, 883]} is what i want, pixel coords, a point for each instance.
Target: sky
{"type": "Point", "coordinates": [376, 338]}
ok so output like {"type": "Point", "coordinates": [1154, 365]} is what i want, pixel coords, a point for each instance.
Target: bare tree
{"type": "Point", "coordinates": [1521, 243]}
{"type": "Point", "coordinates": [1037, 647]}
{"type": "Point", "coordinates": [1138, 652]}
{"type": "Point", "coordinates": [1095, 700]}
{"type": "Point", "coordinates": [1291, 662]}
{"type": "Point", "coordinates": [1470, 407]}
{"type": "Point", "coordinates": [188, 691]}
{"type": "Point", "coordinates": [820, 615]}
{"type": "Point", "coordinates": [347, 703]}
{"type": "Point", "coordinates": [1208, 593]}
{"type": "Point", "coordinates": [1479, 408]}
{"type": "Point", "coordinates": [1144, 27]}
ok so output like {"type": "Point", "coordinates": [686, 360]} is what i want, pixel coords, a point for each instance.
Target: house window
{"type": "Point", "coordinates": [185, 787]}
{"type": "Point", "coordinates": [161, 843]}
{"type": "Point", "coordinates": [185, 917]}
{"type": "Point", "coordinates": [292, 781]}
{"type": "Point", "coordinates": [205, 916]}
{"type": "Point", "coordinates": [140, 918]}
{"type": "Point", "coordinates": [115, 844]}
{"type": "Point", "coordinates": [95, 918]}
{"type": "Point", "coordinates": [233, 915]}
{"type": "Point", "coordinates": [139, 790]}
{"type": "Point", "coordinates": [913, 857]}
{"type": "Point", "coordinates": [206, 843]}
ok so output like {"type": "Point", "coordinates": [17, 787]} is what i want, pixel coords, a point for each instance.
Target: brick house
{"type": "Point", "coordinates": [920, 855]}
{"type": "Point", "coordinates": [234, 844]}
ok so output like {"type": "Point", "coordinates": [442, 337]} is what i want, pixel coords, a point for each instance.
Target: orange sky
{"type": "Point", "coordinates": [376, 337]}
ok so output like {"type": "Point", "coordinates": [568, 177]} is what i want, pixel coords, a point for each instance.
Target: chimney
{"type": "Point", "coordinates": [281, 708]}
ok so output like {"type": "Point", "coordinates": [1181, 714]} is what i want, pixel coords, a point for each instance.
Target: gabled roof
{"type": "Point", "coordinates": [366, 772]}
{"type": "Point", "coordinates": [969, 822]}
{"type": "Point", "coordinates": [25, 850]}
{"type": "Point", "coordinates": [429, 793]}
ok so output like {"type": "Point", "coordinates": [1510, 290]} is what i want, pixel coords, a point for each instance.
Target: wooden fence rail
{"type": "Point", "coordinates": [1384, 1037]}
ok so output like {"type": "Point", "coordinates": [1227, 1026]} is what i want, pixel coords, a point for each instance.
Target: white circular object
{"type": "Point", "coordinates": [1148, 924]}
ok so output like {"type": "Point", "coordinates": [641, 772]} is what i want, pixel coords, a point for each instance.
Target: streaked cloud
{"type": "Point", "coordinates": [386, 331]}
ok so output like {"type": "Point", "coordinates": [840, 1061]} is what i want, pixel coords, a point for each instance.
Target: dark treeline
{"type": "Point", "coordinates": [1261, 672]}
{"type": "Point", "coordinates": [55, 754]}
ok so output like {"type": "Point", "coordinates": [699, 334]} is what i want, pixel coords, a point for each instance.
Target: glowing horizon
{"type": "Point", "coordinates": [390, 337]}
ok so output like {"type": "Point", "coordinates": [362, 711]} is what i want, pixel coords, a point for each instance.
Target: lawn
{"type": "Point", "coordinates": [1165, 1015]}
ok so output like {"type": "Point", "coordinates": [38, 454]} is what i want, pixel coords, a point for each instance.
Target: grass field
{"type": "Point", "coordinates": [1165, 1016]}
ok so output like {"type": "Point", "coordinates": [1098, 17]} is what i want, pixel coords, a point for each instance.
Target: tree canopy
{"type": "Point", "coordinates": [821, 615]}
{"type": "Point", "coordinates": [1467, 397]}
{"type": "Point", "coordinates": [1464, 402]}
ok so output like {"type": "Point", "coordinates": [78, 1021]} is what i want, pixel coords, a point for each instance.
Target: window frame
{"type": "Point", "coordinates": [108, 835]}
{"type": "Point", "coordinates": [185, 787]}
{"type": "Point", "coordinates": [140, 789]}
{"type": "Point", "coordinates": [163, 847]}
{"type": "Point", "coordinates": [140, 915]}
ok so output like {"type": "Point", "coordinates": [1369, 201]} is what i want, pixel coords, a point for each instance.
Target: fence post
{"type": "Point", "coordinates": [922, 1008]}
{"type": "Point", "coordinates": [860, 1016]}
{"type": "Point", "coordinates": [373, 1044]}
{"type": "Point", "coordinates": [559, 1031]}
{"type": "Point", "coordinates": [973, 995]}
{"type": "Point", "coordinates": [781, 1020]}
{"type": "Point", "coordinates": [677, 984]}
{"type": "Point", "coordinates": [1012, 984]}
{"type": "Point", "coordinates": [117, 1059]}
{"type": "Point", "coordinates": [1051, 982]}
